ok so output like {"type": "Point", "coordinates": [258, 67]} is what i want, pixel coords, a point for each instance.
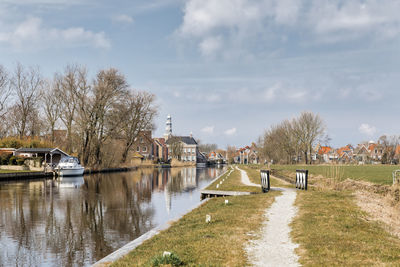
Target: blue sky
{"type": "Point", "coordinates": [227, 69]}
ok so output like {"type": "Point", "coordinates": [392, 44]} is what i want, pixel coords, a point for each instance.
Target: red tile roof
{"type": "Point", "coordinates": [397, 152]}
{"type": "Point", "coordinates": [324, 150]}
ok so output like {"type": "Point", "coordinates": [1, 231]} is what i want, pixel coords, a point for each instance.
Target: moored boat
{"type": "Point", "coordinates": [70, 167]}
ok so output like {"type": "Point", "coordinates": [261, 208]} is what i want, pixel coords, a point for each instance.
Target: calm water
{"type": "Point", "coordinates": [77, 221]}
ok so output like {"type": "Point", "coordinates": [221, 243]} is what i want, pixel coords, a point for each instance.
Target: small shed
{"type": "Point", "coordinates": [51, 156]}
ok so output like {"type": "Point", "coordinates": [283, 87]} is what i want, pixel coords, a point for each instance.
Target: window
{"type": "Point", "coordinates": [145, 149]}
{"type": "Point", "coordinates": [184, 150]}
{"type": "Point", "coordinates": [138, 149]}
{"type": "Point", "coordinates": [141, 139]}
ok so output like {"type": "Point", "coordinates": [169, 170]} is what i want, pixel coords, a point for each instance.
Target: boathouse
{"type": "Point", "coordinates": [52, 156]}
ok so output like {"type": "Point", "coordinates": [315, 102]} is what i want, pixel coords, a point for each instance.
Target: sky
{"type": "Point", "coordinates": [226, 70]}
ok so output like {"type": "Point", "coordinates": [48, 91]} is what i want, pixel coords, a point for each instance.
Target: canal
{"type": "Point", "coordinates": [77, 221]}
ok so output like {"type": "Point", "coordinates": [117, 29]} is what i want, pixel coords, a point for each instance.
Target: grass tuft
{"type": "Point", "coordinates": [169, 259]}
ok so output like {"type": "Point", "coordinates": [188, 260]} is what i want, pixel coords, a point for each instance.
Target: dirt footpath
{"type": "Point", "coordinates": [275, 247]}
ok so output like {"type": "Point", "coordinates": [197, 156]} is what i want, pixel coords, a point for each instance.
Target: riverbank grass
{"type": "Point", "coordinates": [14, 171]}
{"type": "Point", "coordinates": [253, 171]}
{"type": "Point", "coordinates": [218, 243]}
{"type": "Point", "coordinates": [231, 181]}
{"type": "Point", "coordinates": [332, 230]}
{"type": "Point", "coordinates": [379, 174]}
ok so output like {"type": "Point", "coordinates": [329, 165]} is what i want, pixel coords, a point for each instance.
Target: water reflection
{"type": "Point", "coordinates": [70, 182]}
{"type": "Point", "coordinates": [77, 221]}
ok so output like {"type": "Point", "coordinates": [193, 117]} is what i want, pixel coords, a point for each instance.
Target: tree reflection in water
{"type": "Point", "coordinates": [77, 221]}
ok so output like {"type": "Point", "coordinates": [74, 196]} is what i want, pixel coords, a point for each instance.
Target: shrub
{"type": "Point", "coordinates": [12, 161]}
{"type": "Point", "coordinates": [4, 160]}
{"type": "Point", "coordinates": [14, 142]}
{"type": "Point", "coordinates": [20, 161]}
{"type": "Point", "coordinates": [171, 259]}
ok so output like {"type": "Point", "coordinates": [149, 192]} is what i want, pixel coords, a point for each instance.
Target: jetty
{"type": "Point", "coordinates": [219, 193]}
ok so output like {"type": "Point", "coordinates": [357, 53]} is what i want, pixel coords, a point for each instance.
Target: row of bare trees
{"type": "Point", "coordinates": [98, 114]}
{"type": "Point", "coordinates": [292, 140]}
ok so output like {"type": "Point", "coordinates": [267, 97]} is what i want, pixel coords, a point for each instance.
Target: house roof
{"type": "Point", "coordinates": [40, 150]}
{"type": "Point", "coordinates": [344, 150]}
{"type": "Point", "coordinates": [161, 141]}
{"type": "Point", "coordinates": [397, 151]}
{"type": "Point", "coordinates": [324, 150]}
{"type": "Point", "coordinates": [185, 139]}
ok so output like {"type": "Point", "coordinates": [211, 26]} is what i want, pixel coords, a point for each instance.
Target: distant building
{"type": "Point", "coordinates": [189, 147]}
{"type": "Point", "coordinates": [247, 155]}
{"type": "Point", "coordinates": [144, 145]}
{"type": "Point", "coordinates": [190, 151]}
{"type": "Point", "coordinates": [160, 150]}
{"type": "Point", "coordinates": [168, 128]}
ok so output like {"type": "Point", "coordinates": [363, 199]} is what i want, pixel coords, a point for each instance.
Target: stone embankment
{"type": "Point", "coordinates": [12, 176]}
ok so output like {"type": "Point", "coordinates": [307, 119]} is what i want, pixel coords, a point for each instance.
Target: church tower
{"type": "Point", "coordinates": [168, 128]}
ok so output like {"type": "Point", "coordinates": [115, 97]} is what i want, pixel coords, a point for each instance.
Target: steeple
{"type": "Point", "coordinates": [168, 128]}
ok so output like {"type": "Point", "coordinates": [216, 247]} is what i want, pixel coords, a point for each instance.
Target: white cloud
{"type": "Point", "coordinates": [32, 34]}
{"type": "Point", "coordinates": [208, 130]}
{"type": "Point", "coordinates": [270, 93]}
{"type": "Point", "coordinates": [367, 129]}
{"type": "Point", "coordinates": [240, 24]}
{"type": "Point", "coordinates": [210, 45]}
{"type": "Point", "coordinates": [230, 131]}
{"type": "Point", "coordinates": [122, 18]}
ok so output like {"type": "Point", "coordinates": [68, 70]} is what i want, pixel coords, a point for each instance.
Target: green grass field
{"type": "Point", "coordinates": [380, 174]}
{"type": "Point", "coordinates": [333, 231]}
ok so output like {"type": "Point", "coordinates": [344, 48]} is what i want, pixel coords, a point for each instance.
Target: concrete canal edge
{"type": "Point", "coordinates": [14, 176]}
{"type": "Point", "coordinates": [119, 253]}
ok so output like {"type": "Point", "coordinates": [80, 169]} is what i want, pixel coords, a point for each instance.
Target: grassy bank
{"type": "Point", "coordinates": [253, 171]}
{"type": "Point", "coordinates": [232, 182]}
{"type": "Point", "coordinates": [14, 171]}
{"type": "Point", "coordinates": [380, 174]}
{"type": "Point", "coordinates": [332, 230]}
{"type": "Point", "coordinates": [219, 243]}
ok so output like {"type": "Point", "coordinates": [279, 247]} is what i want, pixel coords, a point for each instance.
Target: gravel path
{"type": "Point", "coordinates": [245, 178]}
{"type": "Point", "coordinates": [275, 247]}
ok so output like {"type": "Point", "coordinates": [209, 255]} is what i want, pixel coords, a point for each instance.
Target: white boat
{"type": "Point", "coordinates": [69, 167]}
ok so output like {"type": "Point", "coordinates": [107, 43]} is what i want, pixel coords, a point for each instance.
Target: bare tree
{"type": "Point", "coordinates": [208, 148]}
{"type": "Point", "coordinates": [230, 153]}
{"type": "Point", "coordinates": [138, 112]}
{"type": "Point", "coordinates": [67, 86]}
{"type": "Point", "coordinates": [27, 85]}
{"type": "Point", "coordinates": [51, 105]}
{"type": "Point", "coordinates": [308, 128]}
{"type": "Point", "coordinates": [285, 141]}
{"type": "Point", "coordinates": [97, 111]}
{"type": "Point", "coordinates": [175, 147]}
{"type": "Point", "coordinates": [5, 90]}
{"type": "Point", "coordinates": [35, 123]}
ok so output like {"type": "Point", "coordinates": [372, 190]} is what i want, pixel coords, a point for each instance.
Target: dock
{"type": "Point", "coordinates": [217, 193]}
